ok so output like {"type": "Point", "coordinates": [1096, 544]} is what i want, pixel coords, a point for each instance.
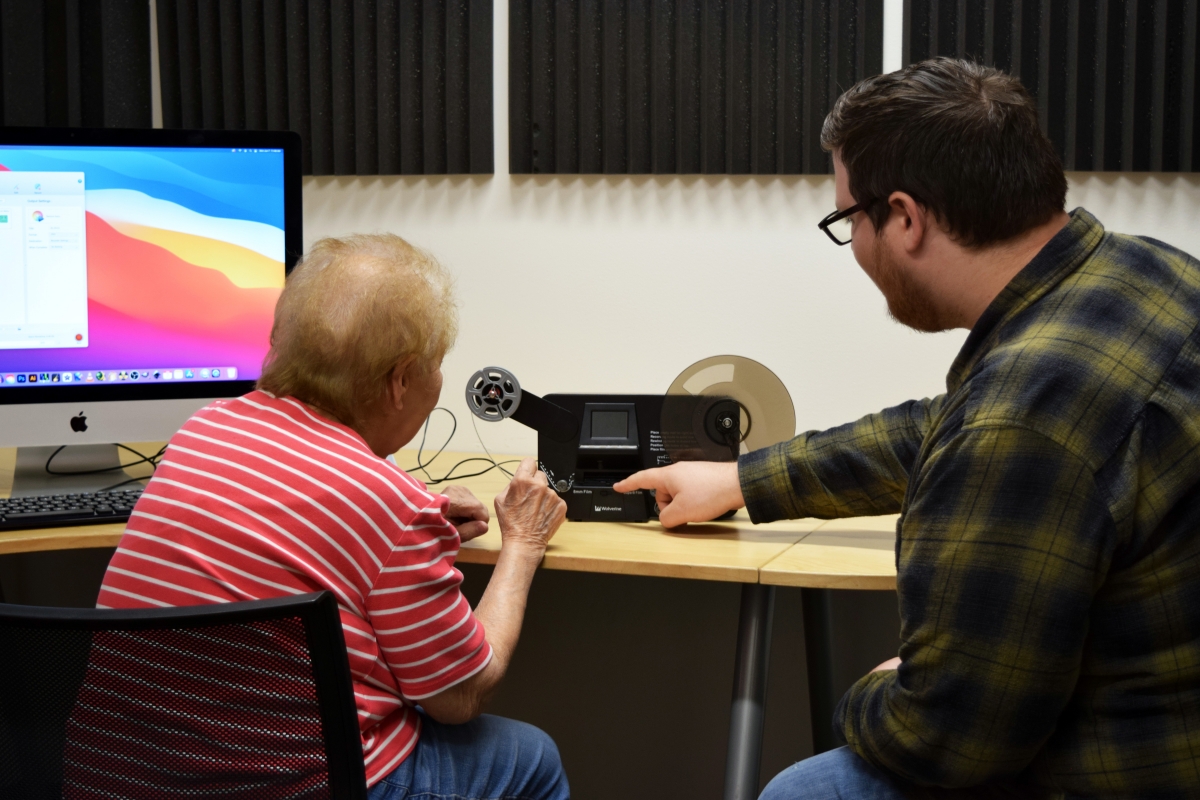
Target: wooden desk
{"type": "Point", "coordinates": [855, 553]}
{"type": "Point", "coordinates": [734, 550]}
{"type": "Point", "coordinates": [815, 555]}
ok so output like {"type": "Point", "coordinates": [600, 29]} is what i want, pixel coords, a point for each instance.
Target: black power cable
{"type": "Point", "coordinates": [142, 459]}
{"type": "Point", "coordinates": [152, 460]}
{"type": "Point", "coordinates": [422, 466]}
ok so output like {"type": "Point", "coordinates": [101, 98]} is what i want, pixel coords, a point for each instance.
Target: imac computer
{"type": "Point", "coordinates": [138, 277]}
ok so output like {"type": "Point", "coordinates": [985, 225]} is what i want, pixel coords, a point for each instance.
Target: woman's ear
{"type": "Point", "coordinates": [399, 380]}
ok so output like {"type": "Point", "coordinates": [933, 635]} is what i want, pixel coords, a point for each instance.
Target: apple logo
{"type": "Point", "coordinates": [79, 424]}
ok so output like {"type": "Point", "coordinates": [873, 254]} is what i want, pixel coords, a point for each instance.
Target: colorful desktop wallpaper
{"type": "Point", "coordinates": [185, 257]}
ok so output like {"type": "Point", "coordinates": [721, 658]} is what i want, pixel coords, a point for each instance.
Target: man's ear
{"type": "Point", "coordinates": [912, 221]}
{"type": "Point", "coordinates": [399, 380]}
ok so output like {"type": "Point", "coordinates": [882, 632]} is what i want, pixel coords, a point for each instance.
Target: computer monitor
{"type": "Point", "coordinates": [138, 276]}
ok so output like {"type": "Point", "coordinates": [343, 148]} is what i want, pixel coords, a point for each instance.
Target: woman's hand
{"type": "Point", "coordinates": [528, 510]}
{"type": "Point", "coordinates": [468, 515]}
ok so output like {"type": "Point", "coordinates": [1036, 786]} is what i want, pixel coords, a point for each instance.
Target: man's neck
{"type": "Point", "coordinates": [973, 278]}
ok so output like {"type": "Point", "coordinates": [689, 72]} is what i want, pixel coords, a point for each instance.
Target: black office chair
{"type": "Point", "coordinates": [236, 700]}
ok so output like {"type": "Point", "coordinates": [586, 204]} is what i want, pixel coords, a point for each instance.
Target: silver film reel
{"type": "Point", "coordinates": [493, 394]}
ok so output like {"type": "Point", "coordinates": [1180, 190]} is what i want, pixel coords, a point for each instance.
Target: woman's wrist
{"type": "Point", "coordinates": [525, 548]}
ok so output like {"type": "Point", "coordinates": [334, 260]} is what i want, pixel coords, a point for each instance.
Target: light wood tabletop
{"type": "Point", "coordinates": [733, 550]}
{"type": "Point", "coordinates": [858, 553]}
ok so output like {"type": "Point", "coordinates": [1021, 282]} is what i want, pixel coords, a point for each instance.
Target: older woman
{"type": "Point", "coordinates": [287, 490]}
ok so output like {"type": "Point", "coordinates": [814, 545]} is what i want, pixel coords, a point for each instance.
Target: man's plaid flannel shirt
{"type": "Point", "coordinates": [1049, 540]}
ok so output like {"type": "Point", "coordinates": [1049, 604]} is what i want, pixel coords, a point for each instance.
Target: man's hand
{"type": "Point", "coordinates": [891, 663]}
{"type": "Point", "coordinates": [690, 491]}
{"type": "Point", "coordinates": [528, 510]}
{"type": "Point", "coordinates": [468, 515]}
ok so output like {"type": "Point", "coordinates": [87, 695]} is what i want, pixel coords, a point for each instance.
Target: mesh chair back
{"type": "Point", "coordinates": [230, 702]}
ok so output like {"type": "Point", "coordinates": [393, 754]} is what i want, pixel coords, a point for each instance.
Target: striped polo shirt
{"type": "Point", "coordinates": [260, 497]}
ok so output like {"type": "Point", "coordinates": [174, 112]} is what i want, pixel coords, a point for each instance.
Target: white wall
{"type": "Point", "coordinates": [617, 283]}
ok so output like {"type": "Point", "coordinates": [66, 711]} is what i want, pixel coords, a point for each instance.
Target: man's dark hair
{"type": "Point", "coordinates": [961, 138]}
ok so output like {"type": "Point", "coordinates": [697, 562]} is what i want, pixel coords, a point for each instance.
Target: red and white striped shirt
{"type": "Point", "coordinates": [259, 497]}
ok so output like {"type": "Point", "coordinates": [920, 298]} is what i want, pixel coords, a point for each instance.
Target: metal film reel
{"type": "Point", "coordinates": [493, 394]}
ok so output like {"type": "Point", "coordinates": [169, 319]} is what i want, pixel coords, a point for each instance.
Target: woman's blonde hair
{"type": "Point", "coordinates": [351, 310]}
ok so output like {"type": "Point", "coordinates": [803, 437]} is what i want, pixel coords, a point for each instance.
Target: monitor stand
{"type": "Point", "coordinates": [31, 479]}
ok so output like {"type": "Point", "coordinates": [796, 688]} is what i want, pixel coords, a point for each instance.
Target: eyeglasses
{"type": "Point", "coordinates": [837, 226]}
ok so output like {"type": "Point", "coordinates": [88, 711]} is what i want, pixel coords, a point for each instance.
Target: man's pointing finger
{"type": "Point", "coordinates": [646, 479]}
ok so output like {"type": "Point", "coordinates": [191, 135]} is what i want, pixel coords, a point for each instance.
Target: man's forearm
{"type": "Point", "coordinates": [858, 469]}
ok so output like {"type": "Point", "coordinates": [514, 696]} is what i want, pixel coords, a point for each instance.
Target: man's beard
{"type": "Point", "coordinates": [908, 302]}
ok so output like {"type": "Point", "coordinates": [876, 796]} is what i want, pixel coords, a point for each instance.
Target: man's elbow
{"type": "Point", "coordinates": [927, 743]}
{"type": "Point", "coordinates": [948, 765]}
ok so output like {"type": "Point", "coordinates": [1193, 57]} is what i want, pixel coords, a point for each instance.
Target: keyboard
{"type": "Point", "coordinates": [53, 510]}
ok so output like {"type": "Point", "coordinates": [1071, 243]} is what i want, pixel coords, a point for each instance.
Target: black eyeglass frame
{"type": "Point", "coordinates": [838, 216]}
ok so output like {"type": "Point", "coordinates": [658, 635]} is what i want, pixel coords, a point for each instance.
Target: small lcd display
{"type": "Point", "coordinates": [610, 424]}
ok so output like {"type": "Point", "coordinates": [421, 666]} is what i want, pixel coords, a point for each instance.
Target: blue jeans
{"type": "Point", "coordinates": [839, 774]}
{"type": "Point", "coordinates": [489, 758]}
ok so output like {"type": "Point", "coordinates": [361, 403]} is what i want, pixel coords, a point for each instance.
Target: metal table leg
{"type": "Point", "coordinates": [749, 692]}
{"type": "Point", "coordinates": [818, 651]}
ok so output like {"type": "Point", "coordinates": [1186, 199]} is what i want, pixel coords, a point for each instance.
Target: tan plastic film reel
{"type": "Point", "coordinates": [723, 406]}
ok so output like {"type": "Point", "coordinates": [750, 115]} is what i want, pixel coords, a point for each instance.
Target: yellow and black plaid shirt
{"type": "Point", "coordinates": [1049, 541]}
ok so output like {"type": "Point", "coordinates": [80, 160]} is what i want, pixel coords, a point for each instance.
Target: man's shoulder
{"type": "Point", "coordinates": [1141, 248]}
{"type": "Point", "coordinates": [1080, 365]}
{"type": "Point", "coordinates": [1132, 281]}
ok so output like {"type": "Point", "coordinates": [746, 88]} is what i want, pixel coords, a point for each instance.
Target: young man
{"type": "Point", "coordinates": [1048, 548]}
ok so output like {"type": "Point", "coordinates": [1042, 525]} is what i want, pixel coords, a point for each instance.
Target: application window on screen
{"type": "Point", "coordinates": [137, 263]}
{"type": "Point", "coordinates": [44, 265]}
